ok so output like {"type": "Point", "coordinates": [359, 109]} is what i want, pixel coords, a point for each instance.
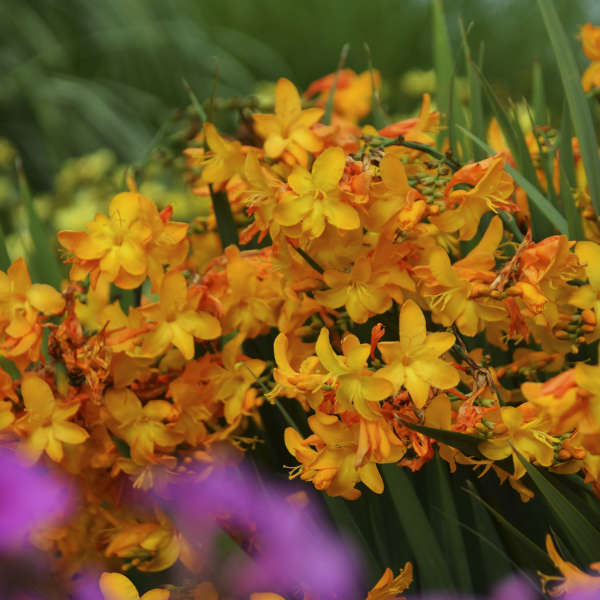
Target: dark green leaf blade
{"type": "Point", "coordinates": [578, 106]}
{"type": "Point", "coordinates": [431, 567]}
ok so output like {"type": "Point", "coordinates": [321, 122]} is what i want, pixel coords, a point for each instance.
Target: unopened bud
{"type": "Point", "coordinates": [579, 453]}
{"type": "Point", "coordinates": [588, 317]}
{"type": "Point", "coordinates": [564, 455]}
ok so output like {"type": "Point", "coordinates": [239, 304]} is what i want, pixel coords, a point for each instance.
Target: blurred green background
{"type": "Point", "coordinates": [77, 75]}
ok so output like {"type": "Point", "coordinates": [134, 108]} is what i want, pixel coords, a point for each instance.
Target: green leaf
{"type": "Point", "coordinates": [442, 60]}
{"type": "Point", "coordinates": [537, 199]}
{"type": "Point", "coordinates": [441, 498]}
{"type": "Point", "coordinates": [445, 75]}
{"type": "Point", "coordinates": [581, 116]}
{"type": "Point", "coordinates": [538, 94]}
{"type": "Point", "coordinates": [581, 535]}
{"type": "Point", "coordinates": [43, 265]}
{"type": "Point", "coordinates": [345, 522]}
{"type": "Point", "coordinates": [226, 227]}
{"type": "Point", "coordinates": [380, 119]}
{"type": "Point", "coordinates": [567, 179]}
{"type": "Point", "coordinates": [467, 444]}
{"type": "Point", "coordinates": [477, 124]}
{"type": "Point", "coordinates": [527, 554]}
{"type": "Point", "coordinates": [431, 566]}
{"type": "Point", "coordinates": [4, 258]}
{"type": "Point", "coordinates": [329, 106]}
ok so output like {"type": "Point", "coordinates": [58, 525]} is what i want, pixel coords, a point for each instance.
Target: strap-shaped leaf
{"type": "Point", "coordinates": [524, 551]}
{"type": "Point", "coordinates": [43, 265]}
{"type": "Point", "coordinates": [444, 517]}
{"type": "Point", "coordinates": [581, 115]}
{"type": "Point", "coordinates": [467, 444]}
{"type": "Point", "coordinates": [431, 567]}
{"type": "Point", "coordinates": [567, 178]}
{"type": "Point", "coordinates": [226, 227]}
{"type": "Point", "coordinates": [582, 536]}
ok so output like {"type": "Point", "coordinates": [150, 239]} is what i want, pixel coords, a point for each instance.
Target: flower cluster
{"type": "Point", "coordinates": [374, 279]}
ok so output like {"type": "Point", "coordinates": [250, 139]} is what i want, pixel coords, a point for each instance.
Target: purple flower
{"type": "Point", "coordinates": [512, 588]}
{"type": "Point", "coordinates": [28, 497]}
{"type": "Point", "coordinates": [288, 548]}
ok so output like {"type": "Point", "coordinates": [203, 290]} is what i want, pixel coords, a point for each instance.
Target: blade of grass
{"type": "Point", "coordinates": [549, 212]}
{"type": "Point", "coordinates": [345, 522]}
{"type": "Point", "coordinates": [432, 568]}
{"type": "Point", "coordinates": [443, 63]}
{"type": "Point", "coordinates": [441, 499]}
{"type": "Point", "coordinates": [581, 115]}
{"type": "Point", "coordinates": [4, 258]}
{"type": "Point", "coordinates": [538, 94]}
{"type": "Point", "coordinates": [526, 552]}
{"type": "Point", "coordinates": [582, 535]}
{"type": "Point", "coordinates": [380, 119]}
{"type": "Point", "coordinates": [467, 444]}
{"type": "Point", "coordinates": [226, 227]}
{"type": "Point", "coordinates": [329, 106]}
{"type": "Point", "coordinates": [44, 266]}
{"type": "Point", "coordinates": [477, 124]}
{"type": "Point", "coordinates": [567, 178]}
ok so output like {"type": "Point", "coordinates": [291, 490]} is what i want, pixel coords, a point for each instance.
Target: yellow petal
{"type": "Point", "coordinates": [436, 372]}
{"type": "Point", "coordinates": [394, 175]}
{"type": "Point", "coordinates": [287, 100]}
{"type": "Point", "coordinates": [157, 595]}
{"type": "Point", "coordinates": [340, 214]}
{"type": "Point", "coordinates": [412, 325]}
{"type": "Point", "coordinates": [37, 396]}
{"type": "Point", "coordinates": [589, 254]}
{"type": "Point", "coordinates": [45, 299]}
{"type": "Point", "coordinates": [124, 208]}
{"type": "Point", "coordinates": [417, 388]}
{"type": "Point", "coordinates": [328, 169]}
{"type": "Point", "coordinates": [115, 586]}
{"type": "Point", "coordinates": [70, 433]}
{"type": "Point", "coordinates": [329, 359]}
{"type": "Point", "coordinates": [369, 475]}
{"type": "Point", "coordinates": [275, 145]}
{"type": "Point", "coordinates": [200, 324]}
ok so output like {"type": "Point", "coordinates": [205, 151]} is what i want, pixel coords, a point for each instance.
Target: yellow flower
{"type": "Point", "coordinates": [528, 439]}
{"type": "Point", "coordinates": [115, 586]}
{"type": "Point", "coordinates": [287, 133]}
{"type": "Point", "coordinates": [177, 320]}
{"type": "Point", "coordinates": [21, 303]}
{"type": "Point", "coordinates": [224, 160]}
{"type": "Point", "coordinates": [413, 362]}
{"type": "Point", "coordinates": [388, 587]}
{"type": "Point", "coordinates": [317, 197]}
{"type": "Point", "coordinates": [142, 427]}
{"type": "Point", "coordinates": [492, 191]}
{"type": "Point", "coordinates": [572, 580]}
{"type": "Point", "coordinates": [358, 388]}
{"type": "Point", "coordinates": [361, 291]}
{"type": "Point", "coordinates": [46, 421]}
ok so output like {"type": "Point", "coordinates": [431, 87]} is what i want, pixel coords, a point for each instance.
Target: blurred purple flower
{"type": "Point", "coordinates": [512, 588]}
{"type": "Point", "coordinates": [290, 548]}
{"type": "Point", "coordinates": [28, 497]}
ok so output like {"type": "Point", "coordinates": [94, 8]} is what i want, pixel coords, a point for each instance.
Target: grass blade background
{"type": "Point", "coordinates": [43, 263]}
{"type": "Point", "coordinates": [578, 106]}
{"type": "Point", "coordinates": [430, 565]}
{"type": "Point", "coordinates": [583, 537]}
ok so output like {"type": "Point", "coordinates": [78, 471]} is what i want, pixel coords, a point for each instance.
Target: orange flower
{"type": "Point", "coordinates": [287, 133]}
{"type": "Point", "coordinates": [177, 320]}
